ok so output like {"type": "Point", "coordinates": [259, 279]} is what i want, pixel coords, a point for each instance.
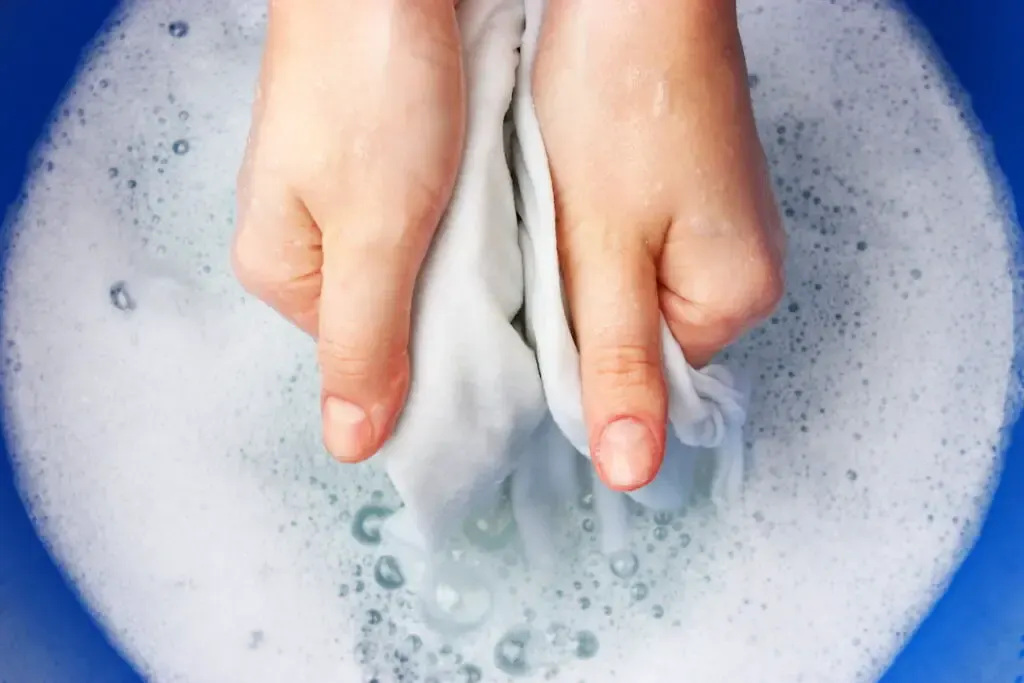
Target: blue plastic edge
{"type": "Point", "coordinates": [967, 624]}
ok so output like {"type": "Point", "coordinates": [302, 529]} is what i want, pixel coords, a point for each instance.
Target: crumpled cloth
{"type": "Point", "coordinates": [495, 387]}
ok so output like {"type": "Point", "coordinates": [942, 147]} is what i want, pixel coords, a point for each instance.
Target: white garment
{"type": "Point", "coordinates": [475, 398]}
{"type": "Point", "coordinates": [477, 412]}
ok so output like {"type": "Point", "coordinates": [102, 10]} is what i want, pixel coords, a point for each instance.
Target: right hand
{"type": "Point", "coordinates": [356, 140]}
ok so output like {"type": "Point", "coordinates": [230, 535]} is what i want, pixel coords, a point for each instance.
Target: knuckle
{"type": "Point", "coordinates": [763, 288]}
{"type": "Point", "coordinates": [748, 298]}
{"type": "Point", "coordinates": [622, 366]}
{"type": "Point", "coordinates": [344, 361]}
{"type": "Point", "coordinates": [247, 266]}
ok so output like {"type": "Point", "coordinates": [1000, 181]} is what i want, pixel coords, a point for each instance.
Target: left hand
{"type": "Point", "coordinates": [663, 203]}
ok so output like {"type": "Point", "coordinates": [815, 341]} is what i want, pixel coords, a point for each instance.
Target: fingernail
{"type": "Point", "coordinates": [625, 453]}
{"type": "Point", "coordinates": [347, 431]}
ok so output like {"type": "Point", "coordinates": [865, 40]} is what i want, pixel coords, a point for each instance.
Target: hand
{"type": "Point", "coordinates": [355, 144]}
{"type": "Point", "coordinates": [663, 204]}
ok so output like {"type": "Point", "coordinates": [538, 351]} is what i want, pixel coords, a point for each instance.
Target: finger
{"type": "Point", "coordinates": [731, 285]}
{"type": "Point", "coordinates": [277, 253]}
{"type": "Point", "coordinates": [369, 275]}
{"type": "Point", "coordinates": [612, 290]}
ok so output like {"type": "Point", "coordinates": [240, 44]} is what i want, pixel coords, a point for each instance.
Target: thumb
{"type": "Point", "coordinates": [363, 336]}
{"type": "Point", "coordinates": [613, 297]}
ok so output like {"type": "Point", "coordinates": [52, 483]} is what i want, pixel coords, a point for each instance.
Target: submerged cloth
{"type": "Point", "coordinates": [487, 402]}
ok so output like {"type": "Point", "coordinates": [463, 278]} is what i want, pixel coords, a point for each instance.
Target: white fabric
{"type": "Point", "coordinates": [475, 397]}
{"type": "Point", "coordinates": [477, 411]}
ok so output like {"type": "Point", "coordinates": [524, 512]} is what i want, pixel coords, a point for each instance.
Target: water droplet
{"type": "Point", "coordinates": [178, 29]}
{"type": "Point", "coordinates": [183, 115]}
{"type": "Point", "coordinates": [388, 573]}
{"type": "Point", "coordinates": [585, 603]}
{"type": "Point", "coordinates": [120, 298]}
{"type": "Point", "coordinates": [862, 246]}
{"type": "Point", "coordinates": [638, 592]}
{"type": "Point", "coordinates": [367, 521]}
{"type": "Point", "coordinates": [365, 651]}
{"type": "Point", "coordinates": [112, 172]}
{"type": "Point", "coordinates": [663, 518]}
{"type": "Point", "coordinates": [660, 533]}
{"type": "Point", "coordinates": [456, 598]}
{"type": "Point", "coordinates": [916, 273]}
{"type": "Point", "coordinates": [586, 645]}
{"type": "Point", "coordinates": [492, 530]}
{"type": "Point", "coordinates": [587, 501]}
{"type": "Point", "coordinates": [684, 540]}
{"type": "Point", "coordinates": [623, 564]}
{"type": "Point", "coordinates": [658, 611]}
{"type": "Point", "coordinates": [511, 652]}
{"type": "Point", "coordinates": [851, 475]}
{"type": "Point", "coordinates": [470, 674]}
{"type": "Point", "coordinates": [409, 647]}
{"type": "Point", "coordinates": [180, 147]}
{"type": "Point", "coordinates": [588, 525]}
{"type": "Point", "coordinates": [373, 617]}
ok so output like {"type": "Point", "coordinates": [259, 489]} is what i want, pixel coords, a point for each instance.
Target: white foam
{"type": "Point", "coordinates": [170, 454]}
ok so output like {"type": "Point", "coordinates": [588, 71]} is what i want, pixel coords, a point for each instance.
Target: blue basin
{"type": "Point", "coordinates": [974, 634]}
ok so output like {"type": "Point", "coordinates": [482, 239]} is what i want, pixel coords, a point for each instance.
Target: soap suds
{"type": "Point", "coordinates": [165, 427]}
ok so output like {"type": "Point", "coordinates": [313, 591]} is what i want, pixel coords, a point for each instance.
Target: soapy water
{"type": "Point", "coordinates": [165, 433]}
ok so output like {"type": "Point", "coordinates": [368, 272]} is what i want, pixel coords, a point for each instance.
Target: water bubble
{"type": "Point", "coordinates": [178, 29]}
{"type": "Point", "coordinates": [638, 592]}
{"type": "Point", "coordinates": [112, 172]}
{"type": "Point", "coordinates": [586, 645]}
{"type": "Point", "coordinates": [660, 533]}
{"type": "Point", "coordinates": [388, 573]}
{"type": "Point", "coordinates": [663, 518]}
{"type": "Point", "coordinates": [862, 246]}
{"type": "Point", "coordinates": [511, 654]}
{"type": "Point", "coordinates": [588, 525]}
{"type": "Point", "coordinates": [585, 603]}
{"type": "Point", "coordinates": [456, 598]}
{"type": "Point", "coordinates": [587, 501]}
{"type": "Point", "coordinates": [558, 636]}
{"type": "Point", "coordinates": [180, 147]}
{"type": "Point", "coordinates": [851, 475]}
{"type": "Point", "coordinates": [183, 115]}
{"type": "Point", "coordinates": [409, 646]}
{"type": "Point", "coordinates": [120, 298]}
{"type": "Point", "coordinates": [373, 617]}
{"type": "Point", "coordinates": [367, 521]}
{"type": "Point", "coordinates": [365, 651]}
{"type": "Point", "coordinates": [623, 564]}
{"type": "Point", "coordinates": [470, 674]}
{"type": "Point", "coordinates": [915, 273]}
{"type": "Point", "coordinates": [658, 611]}
{"type": "Point", "coordinates": [492, 530]}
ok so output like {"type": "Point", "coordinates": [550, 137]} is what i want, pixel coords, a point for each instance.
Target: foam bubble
{"type": "Point", "coordinates": [165, 426]}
